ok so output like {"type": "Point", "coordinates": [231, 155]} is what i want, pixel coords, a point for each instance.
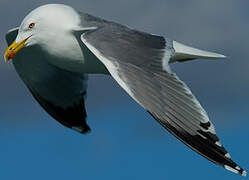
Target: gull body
{"type": "Point", "coordinates": [56, 47]}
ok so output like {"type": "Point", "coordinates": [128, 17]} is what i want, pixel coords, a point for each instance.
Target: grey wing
{"type": "Point", "coordinates": [61, 93]}
{"type": "Point", "coordinates": [139, 63]}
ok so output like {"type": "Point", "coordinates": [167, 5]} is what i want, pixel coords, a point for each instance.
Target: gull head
{"type": "Point", "coordinates": [47, 26]}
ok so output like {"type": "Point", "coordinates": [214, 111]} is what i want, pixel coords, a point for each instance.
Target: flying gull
{"type": "Point", "coordinates": [56, 47]}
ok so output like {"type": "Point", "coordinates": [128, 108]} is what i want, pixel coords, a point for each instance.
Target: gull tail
{"type": "Point", "coordinates": [185, 53]}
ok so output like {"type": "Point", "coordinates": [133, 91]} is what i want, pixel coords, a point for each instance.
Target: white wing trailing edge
{"type": "Point", "coordinates": [185, 53]}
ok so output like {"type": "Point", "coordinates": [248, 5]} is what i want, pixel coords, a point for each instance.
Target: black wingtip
{"type": "Point", "coordinates": [82, 129]}
{"type": "Point", "coordinates": [217, 154]}
{"type": "Point", "coordinates": [86, 130]}
{"type": "Point", "coordinates": [236, 170]}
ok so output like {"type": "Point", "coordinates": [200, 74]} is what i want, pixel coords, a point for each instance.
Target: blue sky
{"type": "Point", "coordinates": [125, 141]}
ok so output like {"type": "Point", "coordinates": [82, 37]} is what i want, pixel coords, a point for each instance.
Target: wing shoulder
{"type": "Point", "coordinates": [121, 43]}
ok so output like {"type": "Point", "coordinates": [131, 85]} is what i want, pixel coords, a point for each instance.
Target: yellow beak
{"type": "Point", "coordinates": [13, 49]}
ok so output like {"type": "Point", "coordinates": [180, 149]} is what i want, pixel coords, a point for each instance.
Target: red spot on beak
{"type": "Point", "coordinates": [11, 55]}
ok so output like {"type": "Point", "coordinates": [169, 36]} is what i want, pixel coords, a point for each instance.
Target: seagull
{"type": "Point", "coordinates": [56, 47]}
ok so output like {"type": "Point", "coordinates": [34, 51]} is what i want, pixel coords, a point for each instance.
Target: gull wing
{"type": "Point", "coordinates": [139, 63]}
{"type": "Point", "coordinates": [61, 93]}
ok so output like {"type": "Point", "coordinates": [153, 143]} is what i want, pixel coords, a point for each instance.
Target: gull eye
{"type": "Point", "coordinates": [31, 25]}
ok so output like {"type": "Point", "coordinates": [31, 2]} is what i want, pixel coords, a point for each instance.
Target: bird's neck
{"type": "Point", "coordinates": [69, 53]}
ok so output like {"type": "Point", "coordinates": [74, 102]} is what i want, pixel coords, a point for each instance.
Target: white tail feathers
{"type": "Point", "coordinates": [185, 53]}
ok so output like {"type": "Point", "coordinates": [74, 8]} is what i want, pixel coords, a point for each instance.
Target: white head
{"type": "Point", "coordinates": [44, 25]}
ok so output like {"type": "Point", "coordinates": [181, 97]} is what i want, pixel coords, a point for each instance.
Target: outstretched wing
{"type": "Point", "coordinates": [61, 93]}
{"type": "Point", "coordinates": [139, 63]}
